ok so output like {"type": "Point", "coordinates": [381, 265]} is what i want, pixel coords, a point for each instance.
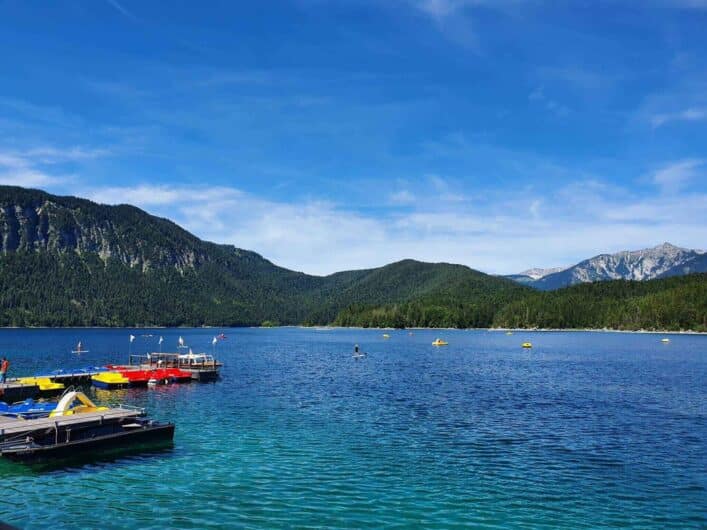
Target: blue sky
{"type": "Point", "coordinates": [332, 135]}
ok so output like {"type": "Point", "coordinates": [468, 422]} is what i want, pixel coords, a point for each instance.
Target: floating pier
{"type": "Point", "coordinates": [13, 391]}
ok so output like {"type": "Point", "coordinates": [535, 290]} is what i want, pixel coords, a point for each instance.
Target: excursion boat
{"type": "Point", "coordinates": [175, 375]}
{"type": "Point", "coordinates": [440, 342]}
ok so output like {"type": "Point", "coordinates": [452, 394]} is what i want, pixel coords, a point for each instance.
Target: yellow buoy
{"type": "Point", "coordinates": [527, 345]}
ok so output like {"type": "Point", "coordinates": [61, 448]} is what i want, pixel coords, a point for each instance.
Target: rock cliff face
{"type": "Point", "coordinates": [33, 221]}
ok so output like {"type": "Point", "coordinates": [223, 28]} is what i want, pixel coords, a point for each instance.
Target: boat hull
{"type": "Point", "coordinates": [109, 386]}
{"type": "Point", "coordinates": [123, 440]}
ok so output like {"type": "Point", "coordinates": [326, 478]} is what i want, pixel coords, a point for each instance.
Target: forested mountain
{"type": "Point", "coordinates": [70, 262]}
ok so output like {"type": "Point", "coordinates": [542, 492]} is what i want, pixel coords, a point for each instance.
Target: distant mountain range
{"type": "Point", "coordinates": [661, 261]}
{"type": "Point", "coordinates": [66, 261]}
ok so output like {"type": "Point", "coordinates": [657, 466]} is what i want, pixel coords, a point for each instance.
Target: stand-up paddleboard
{"type": "Point", "coordinates": [79, 349]}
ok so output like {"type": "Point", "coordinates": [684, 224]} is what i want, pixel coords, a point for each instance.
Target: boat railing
{"type": "Point", "coordinates": [177, 360]}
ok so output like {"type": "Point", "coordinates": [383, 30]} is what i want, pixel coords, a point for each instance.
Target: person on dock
{"type": "Point", "coordinates": [4, 367]}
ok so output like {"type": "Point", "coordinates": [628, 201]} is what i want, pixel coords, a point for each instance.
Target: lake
{"type": "Point", "coordinates": [584, 430]}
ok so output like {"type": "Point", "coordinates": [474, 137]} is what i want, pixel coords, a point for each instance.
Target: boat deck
{"type": "Point", "coordinates": [14, 426]}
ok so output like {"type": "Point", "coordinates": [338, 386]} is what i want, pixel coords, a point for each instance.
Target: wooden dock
{"type": "Point", "coordinates": [13, 391]}
{"type": "Point", "coordinates": [16, 426]}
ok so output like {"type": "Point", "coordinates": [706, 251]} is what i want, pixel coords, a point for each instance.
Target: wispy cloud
{"type": "Point", "coordinates": [453, 19]}
{"type": "Point", "coordinates": [499, 234]}
{"type": "Point", "coordinates": [690, 114]}
{"type": "Point", "coordinates": [42, 166]}
{"type": "Point", "coordinates": [403, 197]}
{"type": "Point", "coordinates": [538, 96]}
{"type": "Point", "coordinates": [122, 10]}
{"type": "Point", "coordinates": [674, 176]}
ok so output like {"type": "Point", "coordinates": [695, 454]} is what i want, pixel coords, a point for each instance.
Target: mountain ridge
{"type": "Point", "coordinates": [70, 261]}
{"type": "Point", "coordinates": [661, 261]}
{"type": "Point", "coordinates": [66, 261]}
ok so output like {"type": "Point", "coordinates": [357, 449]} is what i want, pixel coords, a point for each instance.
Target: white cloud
{"type": "Point", "coordinates": [33, 167]}
{"type": "Point", "coordinates": [690, 114]}
{"type": "Point", "coordinates": [402, 197]}
{"type": "Point", "coordinates": [497, 235]}
{"type": "Point", "coordinates": [28, 178]}
{"type": "Point", "coordinates": [676, 175]}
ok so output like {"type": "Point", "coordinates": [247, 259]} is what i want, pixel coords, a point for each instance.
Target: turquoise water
{"type": "Point", "coordinates": [585, 430]}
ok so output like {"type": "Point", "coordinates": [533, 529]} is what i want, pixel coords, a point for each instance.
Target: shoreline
{"type": "Point", "coordinates": [328, 328]}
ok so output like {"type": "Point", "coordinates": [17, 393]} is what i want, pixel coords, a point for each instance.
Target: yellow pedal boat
{"type": "Point", "coordinates": [110, 380]}
{"type": "Point", "coordinates": [440, 342]}
{"type": "Point", "coordinates": [44, 383]}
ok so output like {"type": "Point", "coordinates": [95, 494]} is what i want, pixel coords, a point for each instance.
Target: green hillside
{"type": "Point", "coordinates": [68, 261]}
{"type": "Point", "coordinates": [71, 262]}
{"type": "Point", "coordinates": [667, 304]}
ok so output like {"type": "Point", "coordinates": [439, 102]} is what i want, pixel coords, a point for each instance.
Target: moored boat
{"type": "Point", "coordinates": [110, 380]}
{"type": "Point", "coordinates": [45, 384]}
{"type": "Point", "coordinates": [26, 409]}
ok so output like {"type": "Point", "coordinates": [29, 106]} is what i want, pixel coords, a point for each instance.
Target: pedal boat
{"type": "Point", "coordinates": [440, 342]}
{"type": "Point", "coordinates": [110, 380]}
{"type": "Point", "coordinates": [27, 409]}
{"type": "Point", "coordinates": [43, 383]}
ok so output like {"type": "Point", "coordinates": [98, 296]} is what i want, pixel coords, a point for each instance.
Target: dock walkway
{"type": "Point", "coordinates": [15, 426]}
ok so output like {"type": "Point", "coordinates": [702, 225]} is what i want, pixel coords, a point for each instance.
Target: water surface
{"type": "Point", "coordinates": [584, 430]}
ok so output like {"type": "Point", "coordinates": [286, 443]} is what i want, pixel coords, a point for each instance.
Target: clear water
{"type": "Point", "coordinates": [585, 430]}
